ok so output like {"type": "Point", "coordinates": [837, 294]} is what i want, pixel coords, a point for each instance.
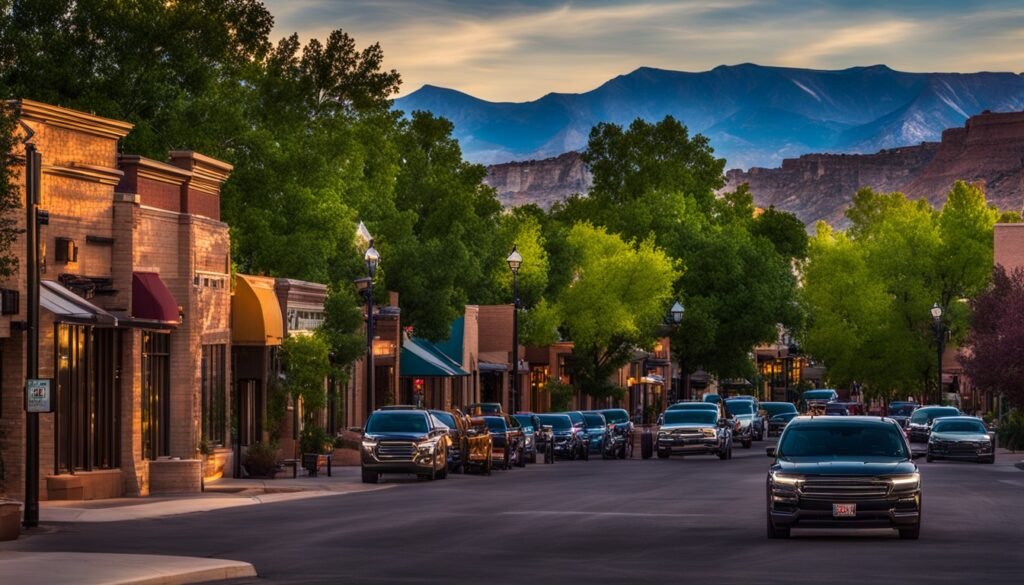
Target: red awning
{"type": "Point", "coordinates": [152, 300]}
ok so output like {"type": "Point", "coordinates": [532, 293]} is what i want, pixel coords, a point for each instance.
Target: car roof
{"type": "Point", "coordinates": [962, 417]}
{"type": "Point", "coordinates": [844, 420]}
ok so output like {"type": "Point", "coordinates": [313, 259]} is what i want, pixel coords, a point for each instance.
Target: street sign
{"type": "Point", "coordinates": [38, 397]}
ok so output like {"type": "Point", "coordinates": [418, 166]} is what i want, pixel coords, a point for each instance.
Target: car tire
{"type": "Point", "coordinates": [723, 455]}
{"type": "Point", "coordinates": [664, 453]}
{"type": "Point", "coordinates": [586, 453]}
{"type": "Point", "coordinates": [622, 451]}
{"type": "Point", "coordinates": [929, 458]}
{"type": "Point", "coordinates": [370, 476]}
{"type": "Point", "coordinates": [775, 531]}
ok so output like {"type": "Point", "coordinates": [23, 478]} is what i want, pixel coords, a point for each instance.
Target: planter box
{"type": "Point", "coordinates": [10, 520]}
{"type": "Point", "coordinates": [175, 476]}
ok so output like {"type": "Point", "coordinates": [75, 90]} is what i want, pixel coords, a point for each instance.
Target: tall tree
{"type": "Point", "coordinates": [617, 301]}
{"type": "Point", "coordinates": [996, 338]}
{"type": "Point", "coordinates": [10, 198]}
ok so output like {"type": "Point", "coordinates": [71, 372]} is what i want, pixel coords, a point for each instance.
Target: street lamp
{"type": "Point", "coordinates": [514, 261]}
{"type": "Point", "coordinates": [677, 311]}
{"type": "Point", "coordinates": [372, 260]}
{"type": "Point", "coordinates": [937, 324]}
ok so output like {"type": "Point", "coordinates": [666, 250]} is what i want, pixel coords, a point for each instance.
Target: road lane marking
{"type": "Point", "coordinates": [571, 513]}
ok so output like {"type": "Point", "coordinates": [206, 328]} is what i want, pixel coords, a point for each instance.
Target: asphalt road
{"type": "Point", "coordinates": [693, 520]}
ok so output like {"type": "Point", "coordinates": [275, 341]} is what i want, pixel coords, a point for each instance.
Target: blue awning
{"type": "Point", "coordinates": [420, 358]}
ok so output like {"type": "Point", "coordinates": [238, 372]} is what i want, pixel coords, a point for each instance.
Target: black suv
{"type": "Point", "coordinates": [843, 472]}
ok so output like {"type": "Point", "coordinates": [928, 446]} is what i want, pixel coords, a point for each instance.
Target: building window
{"type": "Point", "coordinates": [156, 392]}
{"type": "Point", "coordinates": [87, 366]}
{"type": "Point", "coordinates": [214, 397]}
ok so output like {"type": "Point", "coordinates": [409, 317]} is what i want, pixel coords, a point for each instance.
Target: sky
{"type": "Point", "coordinates": [520, 50]}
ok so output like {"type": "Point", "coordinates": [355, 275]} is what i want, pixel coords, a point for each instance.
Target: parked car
{"type": "Point", "coordinates": [744, 415]}
{"type": "Point", "coordinates": [843, 472]}
{"type": "Point", "coordinates": [811, 399]}
{"type": "Point", "coordinates": [404, 441]}
{"type": "Point", "coordinates": [621, 431]}
{"type": "Point", "coordinates": [900, 411]}
{"type": "Point", "coordinates": [715, 398]}
{"type": "Point", "coordinates": [484, 409]}
{"type": "Point", "coordinates": [772, 409]}
{"type": "Point", "coordinates": [567, 441]}
{"type": "Point", "coordinates": [960, 437]}
{"type": "Point", "coordinates": [920, 426]}
{"type": "Point", "coordinates": [507, 448]}
{"type": "Point", "coordinates": [597, 431]}
{"type": "Point", "coordinates": [694, 432]}
{"type": "Point", "coordinates": [692, 405]}
{"type": "Point", "coordinates": [836, 409]}
{"type": "Point", "coordinates": [579, 422]}
{"type": "Point", "coordinates": [467, 447]}
{"type": "Point", "coordinates": [532, 432]}
{"type": "Point", "coordinates": [779, 422]}
{"type": "Point", "coordinates": [481, 446]}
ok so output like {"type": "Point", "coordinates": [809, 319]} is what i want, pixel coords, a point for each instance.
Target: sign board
{"type": "Point", "coordinates": [38, 396]}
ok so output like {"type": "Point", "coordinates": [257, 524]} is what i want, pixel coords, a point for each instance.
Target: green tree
{"type": "Point", "coordinates": [307, 365]}
{"type": "Point", "coordinates": [10, 198]}
{"type": "Point", "coordinates": [616, 303]}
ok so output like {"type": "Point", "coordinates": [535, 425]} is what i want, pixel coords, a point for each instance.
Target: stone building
{"type": "Point", "coordinates": [134, 327]}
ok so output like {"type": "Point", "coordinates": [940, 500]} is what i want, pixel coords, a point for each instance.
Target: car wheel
{"type": "Point", "coordinates": [929, 458]}
{"type": "Point", "coordinates": [586, 453]}
{"type": "Point", "coordinates": [370, 476]}
{"type": "Point", "coordinates": [663, 453]}
{"type": "Point", "coordinates": [489, 464]}
{"type": "Point", "coordinates": [776, 531]}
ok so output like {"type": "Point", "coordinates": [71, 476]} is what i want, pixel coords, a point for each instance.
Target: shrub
{"type": "Point", "coordinates": [561, 395]}
{"type": "Point", "coordinates": [315, 440]}
{"type": "Point", "coordinates": [260, 459]}
{"type": "Point", "coordinates": [1011, 431]}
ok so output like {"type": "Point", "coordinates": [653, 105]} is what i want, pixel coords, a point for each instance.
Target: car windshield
{"type": "Point", "coordinates": [773, 408]}
{"type": "Point", "coordinates": [526, 421]}
{"type": "Point", "coordinates": [712, 398]}
{"type": "Point", "coordinates": [495, 424]}
{"type": "Point", "coordinates": [959, 426]}
{"type": "Point", "coordinates": [397, 422]}
{"type": "Point", "coordinates": [576, 418]}
{"type": "Point", "coordinates": [927, 415]}
{"type": "Point", "coordinates": [615, 416]}
{"type": "Point", "coordinates": [901, 409]}
{"type": "Point", "coordinates": [558, 422]}
{"type": "Point", "coordinates": [708, 417]}
{"type": "Point", "coordinates": [740, 406]}
{"type": "Point", "coordinates": [819, 395]}
{"type": "Point", "coordinates": [694, 406]}
{"type": "Point", "coordinates": [594, 420]}
{"type": "Point", "coordinates": [445, 417]}
{"type": "Point", "coordinates": [843, 440]}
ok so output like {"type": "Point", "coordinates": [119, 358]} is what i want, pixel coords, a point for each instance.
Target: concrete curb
{"type": "Point", "coordinates": [117, 569]}
{"type": "Point", "coordinates": [1019, 465]}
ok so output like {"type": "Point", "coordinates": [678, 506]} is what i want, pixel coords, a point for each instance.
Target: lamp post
{"type": "Point", "coordinates": [937, 324]}
{"type": "Point", "coordinates": [514, 261]}
{"type": "Point", "coordinates": [677, 317]}
{"type": "Point", "coordinates": [372, 260]}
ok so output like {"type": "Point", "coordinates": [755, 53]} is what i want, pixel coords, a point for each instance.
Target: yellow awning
{"type": "Point", "coordinates": [255, 313]}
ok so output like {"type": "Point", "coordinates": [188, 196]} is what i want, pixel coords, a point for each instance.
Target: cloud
{"type": "Point", "coordinates": [521, 49]}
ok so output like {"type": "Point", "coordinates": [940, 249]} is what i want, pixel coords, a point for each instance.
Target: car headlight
{"type": "Point", "coordinates": [427, 446]}
{"type": "Point", "coordinates": [369, 444]}
{"type": "Point", "coordinates": [709, 432]}
{"type": "Point", "coordinates": [787, 479]}
{"type": "Point", "coordinates": [905, 482]}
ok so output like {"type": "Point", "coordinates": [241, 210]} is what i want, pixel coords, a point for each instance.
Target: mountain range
{"type": "Point", "coordinates": [754, 115]}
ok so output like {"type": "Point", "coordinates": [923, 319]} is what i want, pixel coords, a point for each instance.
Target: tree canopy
{"type": "Point", "coordinates": [996, 337]}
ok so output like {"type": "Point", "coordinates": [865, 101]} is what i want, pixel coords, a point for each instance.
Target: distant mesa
{"type": "Point", "coordinates": [987, 148]}
{"type": "Point", "coordinates": [755, 116]}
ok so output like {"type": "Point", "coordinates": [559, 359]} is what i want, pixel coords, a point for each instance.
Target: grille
{"type": "Point", "coordinates": [396, 451]}
{"type": "Point", "coordinates": [961, 448]}
{"type": "Point", "coordinates": [849, 489]}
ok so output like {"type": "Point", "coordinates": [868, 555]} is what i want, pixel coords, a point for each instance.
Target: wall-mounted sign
{"type": "Point", "coordinates": [38, 396]}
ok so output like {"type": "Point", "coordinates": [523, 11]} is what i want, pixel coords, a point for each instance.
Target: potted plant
{"type": "Point", "coordinates": [314, 441]}
{"type": "Point", "coordinates": [260, 460]}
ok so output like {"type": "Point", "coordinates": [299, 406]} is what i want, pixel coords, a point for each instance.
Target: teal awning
{"type": "Point", "coordinates": [420, 358]}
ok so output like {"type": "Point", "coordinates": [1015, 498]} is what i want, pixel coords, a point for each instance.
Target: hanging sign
{"type": "Point", "coordinates": [38, 396]}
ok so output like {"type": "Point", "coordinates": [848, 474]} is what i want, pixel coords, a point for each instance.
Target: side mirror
{"type": "Point", "coordinates": [769, 451]}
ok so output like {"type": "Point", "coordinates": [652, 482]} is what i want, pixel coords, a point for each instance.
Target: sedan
{"type": "Point", "coordinates": [920, 426]}
{"type": "Point", "coordinates": [960, 437]}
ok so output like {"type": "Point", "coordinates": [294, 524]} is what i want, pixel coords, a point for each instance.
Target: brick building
{"type": "Point", "coordinates": [134, 324]}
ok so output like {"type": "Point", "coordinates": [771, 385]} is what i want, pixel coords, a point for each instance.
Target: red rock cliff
{"type": "Point", "coordinates": [543, 182]}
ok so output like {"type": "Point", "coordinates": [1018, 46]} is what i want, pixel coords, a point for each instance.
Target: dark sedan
{"type": "Point", "coordinates": [566, 440]}
{"type": "Point", "coordinates": [774, 409]}
{"type": "Point", "coordinates": [621, 431]}
{"type": "Point", "coordinates": [843, 472]}
{"type": "Point", "coordinates": [961, 437]}
{"type": "Point", "coordinates": [532, 435]}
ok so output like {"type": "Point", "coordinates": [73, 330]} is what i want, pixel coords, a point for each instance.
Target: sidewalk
{"type": "Point", "coordinates": [220, 494]}
{"type": "Point", "coordinates": [116, 569]}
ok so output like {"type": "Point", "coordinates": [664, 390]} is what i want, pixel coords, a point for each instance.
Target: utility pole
{"type": "Point", "coordinates": [33, 167]}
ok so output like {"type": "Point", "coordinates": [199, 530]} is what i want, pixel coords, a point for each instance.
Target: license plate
{"type": "Point", "coordinates": [844, 510]}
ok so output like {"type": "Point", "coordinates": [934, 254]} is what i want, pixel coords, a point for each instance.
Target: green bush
{"type": "Point", "coordinates": [561, 395]}
{"type": "Point", "coordinates": [260, 459]}
{"type": "Point", "coordinates": [315, 440]}
{"type": "Point", "coordinates": [1011, 431]}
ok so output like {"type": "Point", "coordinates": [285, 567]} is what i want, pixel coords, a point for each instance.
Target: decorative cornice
{"type": "Point", "coordinates": [71, 119]}
{"type": "Point", "coordinates": [154, 170]}
{"type": "Point", "coordinates": [91, 173]}
{"type": "Point", "coordinates": [208, 174]}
